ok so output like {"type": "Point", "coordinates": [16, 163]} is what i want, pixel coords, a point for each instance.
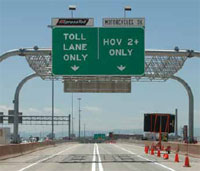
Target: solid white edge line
{"type": "Point", "coordinates": [131, 145]}
{"type": "Point", "coordinates": [145, 158]}
{"type": "Point", "coordinates": [39, 161]}
{"type": "Point", "coordinates": [124, 149]}
{"type": "Point", "coordinates": [94, 159]}
{"type": "Point", "coordinates": [100, 164]}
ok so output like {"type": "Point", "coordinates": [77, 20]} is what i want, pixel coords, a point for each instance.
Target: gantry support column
{"type": "Point", "coordinates": [191, 107]}
{"type": "Point", "coordinates": [16, 106]}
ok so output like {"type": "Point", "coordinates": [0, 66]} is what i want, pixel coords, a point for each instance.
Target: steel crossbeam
{"type": "Point", "coordinates": [160, 65]}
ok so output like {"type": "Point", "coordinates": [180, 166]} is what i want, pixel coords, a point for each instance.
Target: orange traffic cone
{"type": "Point", "coordinates": [176, 157]}
{"type": "Point", "coordinates": [152, 151]}
{"type": "Point", "coordinates": [158, 154]}
{"type": "Point", "coordinates": [166, 156]}
{"type": "Point", "coordinates": [187, 163]}
{"type": "Point", "coordinates": [146, 149]}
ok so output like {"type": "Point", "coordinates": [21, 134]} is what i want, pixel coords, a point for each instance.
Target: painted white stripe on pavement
{"type": "Point", "coordinates": [39, 161]}
{"type": "Point", "coordinates": [100, 164]}
{"type": "Point", "coordinates": [131, 145]}
{"type": "Point", "coordinates": [124, 149]}
{"type": "Point", "coordinates": [96, 152]}
{"type": "Point", "coordinates": [94, 159]}
{"type": "Point", "coordinates": [144, 158]}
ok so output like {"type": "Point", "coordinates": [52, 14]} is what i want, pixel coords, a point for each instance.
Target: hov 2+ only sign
{"type": "Point", "coordinates": [97, 51]}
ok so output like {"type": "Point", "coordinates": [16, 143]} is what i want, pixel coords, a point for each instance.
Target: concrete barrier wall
{"type": "Point", "coordinates": [184, 148]}
{"type": "Point", "coordinates": [192, 149]}
{"type": "Point", "coordinates": [18, 149]}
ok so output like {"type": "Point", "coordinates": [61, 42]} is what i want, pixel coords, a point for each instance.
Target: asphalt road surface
{"type": "Point", "coordinates": [95, 157]}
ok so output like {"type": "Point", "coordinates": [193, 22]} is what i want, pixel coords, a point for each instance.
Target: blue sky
{"type": "Point", "coordinates": [169, 23]}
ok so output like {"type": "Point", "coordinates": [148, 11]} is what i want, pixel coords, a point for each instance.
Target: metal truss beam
{"type": "Point", "coordinates": [39, 120]}
{"type": "Point", "coordinates": [160, 65]}
{"type": "Point", "coordinates": [25, 51]}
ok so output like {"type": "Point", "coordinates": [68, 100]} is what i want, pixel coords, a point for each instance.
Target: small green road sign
{"type": "Point", "coordinates": [97, 51]}
{"type": "Point", "coordinates": [99, 136]}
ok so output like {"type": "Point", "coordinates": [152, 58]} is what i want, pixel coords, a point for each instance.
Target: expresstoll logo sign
{"type": "Point", "coordinates": [73, 22]}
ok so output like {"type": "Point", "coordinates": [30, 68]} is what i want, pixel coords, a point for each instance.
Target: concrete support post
{"type": "Point", "coordinates": [69, 123]}
{"type": "Point", "coordinates": [52, 117]}
{"type": "Point", "coordinates": [191, 107]}
{"type": "Point", "coordinates": [16, 107]}
{"type": "Point", "coordinates": [79, 125]}
{"type": "Point", "coordinates": [176, 121]}
{"type": "Point", "coordinates": [72, 119]}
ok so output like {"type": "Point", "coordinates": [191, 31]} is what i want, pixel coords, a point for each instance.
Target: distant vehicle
{"type": "Point", "coordinates": [24, 142]}
{"type": "Point", "coordinates": [150, 136]}
{"type": "Point", "coordinates": [41, 140]}
{"type": "Point", "coordinates": [144, 138]}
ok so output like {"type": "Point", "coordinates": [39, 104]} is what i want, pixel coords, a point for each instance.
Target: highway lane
{"type": "Point", "coordinates": [17, 163]}
{"type": "Point", "coordinates": [126, 159]}
{"type": "Point", "coordinates": [93, 157]}
{"type": "Point", "coordinates": [139, 150]}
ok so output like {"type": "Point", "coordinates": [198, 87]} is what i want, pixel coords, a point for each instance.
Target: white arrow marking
{"type": "Point", "coordinates": [121, 68]}
{"type": "Point", "coordinates": [75, 68]}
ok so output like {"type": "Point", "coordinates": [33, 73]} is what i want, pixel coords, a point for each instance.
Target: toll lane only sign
{"type": "Point", "coordinates": [98, 51]}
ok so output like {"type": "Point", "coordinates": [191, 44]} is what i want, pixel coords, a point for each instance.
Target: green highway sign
{"type": "Point", "coordinates": [97, 51]}
{"type": "Point", "coordinates": [99, 136]}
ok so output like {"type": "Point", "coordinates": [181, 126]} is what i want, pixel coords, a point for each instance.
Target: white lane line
{"type": "Point", "coordinates": [132, 145]}
{"type": "Point", "coordinates": [94, 159]}
{"type": "Point", "coordinates": [144, 158]}
{"type": "Point", "coordinates": [100, 163]}
{"type": "Point", "coordinates": [124, 149]}
{"type": "Point", "coordinates": [39, 161]}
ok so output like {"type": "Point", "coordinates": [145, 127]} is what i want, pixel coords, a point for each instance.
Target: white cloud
{"type": "Point", "coordinates": [34, 110]}
{"type": "Point", "coordinates": [5, 108]}
{"type": "Point", "coordinates": [41, 111]}
{"type": "Point", "coordinates": [92, 109]}
{"type": "Point", "coordinates": [30, 111]}
{"type": "Point", "coordinates": [49, 110]}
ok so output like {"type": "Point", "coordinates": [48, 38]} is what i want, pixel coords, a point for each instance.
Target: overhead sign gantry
{"type": "Point", "coordinates": [160, 65]}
